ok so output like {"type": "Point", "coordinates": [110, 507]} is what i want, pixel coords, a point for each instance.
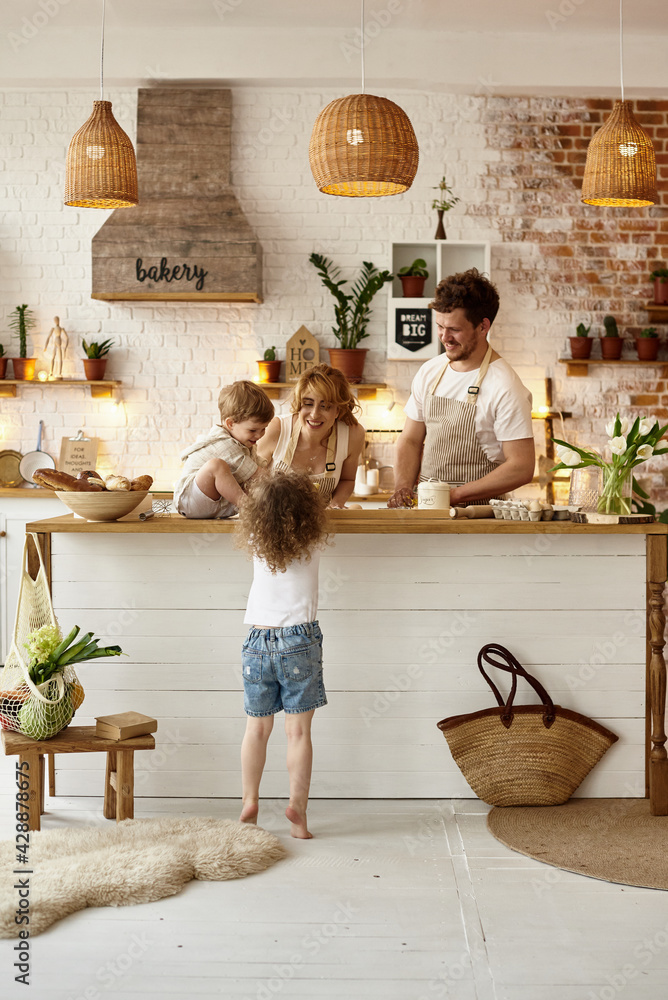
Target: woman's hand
{"type": "Point", "coordinates": [336, 505]}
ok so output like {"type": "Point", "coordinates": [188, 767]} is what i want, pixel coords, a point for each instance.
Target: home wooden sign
{"type": "Point", "coordinates": [302, 352]}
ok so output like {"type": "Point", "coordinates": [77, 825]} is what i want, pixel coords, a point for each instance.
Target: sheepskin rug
{"type": "Point", "coordinates": [136, 861]}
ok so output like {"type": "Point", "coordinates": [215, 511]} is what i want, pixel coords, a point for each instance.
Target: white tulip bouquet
{"type": "Point", "coordinates": [629, 448]}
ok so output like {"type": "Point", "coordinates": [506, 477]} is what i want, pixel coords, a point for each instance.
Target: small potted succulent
{"type": "Point", "coordinates": [443, 203]}
{"type": "Point", "coordinates": [95, 361]}
{"type": "Point", "coordinates": [21, 320]}
{"type": "Point", "coordinates": [611, 342]}
{"type": "Point", "coordinates": [270, 367]}
{"type": "Point", "coordinates": [581, 343]}
{"type": "Point", "coordinates": [660, 278]}
{"type": "Point", "coordinates": [647, 344]}
{"type": "Point", "coordinates": [3, 362]}
{"type": "Point", "coordinates": [413, 278]}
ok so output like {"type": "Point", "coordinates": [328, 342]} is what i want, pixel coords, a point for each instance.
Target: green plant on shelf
{"type": "Point", "coordinates": [353, 311]}
{"type": "Point", "coordinates": [581, 330]}
{"type": "Point", "coordinates": [446, 199]}
{"type": "Point", "coordinates": [21, 320]}
{"type": "Point", "coordinates": [418, 269]}
{"type": "Point", "coordinates": [2, 351]}
{"type": "Point", "coordinates": [95, 350]}
{"type": "Point", "coordinates": [661, 273]}
{"type": "Point", "coordinates": [610, 324]}
{"type": "Point", "coordinates": [649, 331]}
{"type": "Point", "coordinates": [269, 354]}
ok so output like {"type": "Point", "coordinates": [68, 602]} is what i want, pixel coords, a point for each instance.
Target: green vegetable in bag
{"type": "Point", "coordinates": [41, 720]}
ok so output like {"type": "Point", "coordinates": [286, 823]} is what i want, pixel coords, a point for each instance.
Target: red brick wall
{"type": "Point", "coordinates": [581, 262]}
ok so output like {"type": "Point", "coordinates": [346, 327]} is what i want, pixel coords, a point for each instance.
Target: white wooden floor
{"type": "Point", "coordinates": [400, 900]}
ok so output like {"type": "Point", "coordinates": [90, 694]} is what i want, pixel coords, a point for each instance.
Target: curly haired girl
{"type": "Point", "coordinates": [283, 526]}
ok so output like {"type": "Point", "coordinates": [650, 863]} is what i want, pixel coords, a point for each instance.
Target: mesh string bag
{"type": "Point", "coordinates": [39, 711]}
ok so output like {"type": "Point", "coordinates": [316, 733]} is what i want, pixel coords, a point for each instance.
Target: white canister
{"type": "Point", "coordinates": [433, 495]}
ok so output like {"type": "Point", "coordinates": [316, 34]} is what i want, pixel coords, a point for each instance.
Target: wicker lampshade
{"type": "Point", "coordinates": [101, 169]}
{"type": "Point", "coordinates": [621, 165]}
{"type": "Point", "coordinates": [363, 147]}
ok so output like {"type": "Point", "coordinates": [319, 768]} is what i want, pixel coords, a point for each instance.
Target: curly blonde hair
{"type": "Point", "coordinates": [283, 519]}
{"type": "Point", "coordinates": [333, 386]}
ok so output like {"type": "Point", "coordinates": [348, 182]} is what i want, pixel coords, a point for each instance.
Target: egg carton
{"type": "Point", "coordinates": [530, 510]}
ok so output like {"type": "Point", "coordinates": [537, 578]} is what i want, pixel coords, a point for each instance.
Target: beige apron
{"type": "Point", "coordinates": [337, 448]}
{"type": "Point", "coordinates": [452, 453]}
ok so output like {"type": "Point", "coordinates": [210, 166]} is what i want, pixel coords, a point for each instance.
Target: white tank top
{"type": "Point", "coordinates": [279, 599]}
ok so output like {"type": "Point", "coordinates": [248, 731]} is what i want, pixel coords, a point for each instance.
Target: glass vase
{"type": "Point", "coordinates": [615, 497]}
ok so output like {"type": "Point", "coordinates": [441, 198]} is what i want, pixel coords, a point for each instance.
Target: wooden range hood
{"type": "Point", "coordinates": [187, 239]}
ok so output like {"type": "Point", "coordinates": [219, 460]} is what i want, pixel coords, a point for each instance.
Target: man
{"type": "Point", "coordinates": [468, 416]}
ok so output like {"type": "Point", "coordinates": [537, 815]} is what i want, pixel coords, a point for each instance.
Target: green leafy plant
{"type": "Point", "coordinates": [649, 331]}
{"type": "Point", "coordinates": [661, 273]}
{"type": "Point", "coordinates": [446, 199]}
{"type": "Point", "coordinates": [418, 269]}
{"type": "Point", "coordinates": [95, 350]}
{"type": "Point", "coordinates": [2, 351]}
{"type": "Point", "coordinates": [352, 312]}
{"type": "Point", "coordinates": [21, 320]}
{"type": "Point", "coordinates": [610, 324]}
{"type": "Point", "coordinates": [50, 652]}
{"type": "Point", "coordinates": [269, 354]}
{"type": "Point", "coordinates": [581, 330]}
{"type": "Point", "coordinates": [629, 448]}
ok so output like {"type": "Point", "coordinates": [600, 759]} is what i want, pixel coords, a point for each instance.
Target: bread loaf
{"type": "Point", "coordinates": [142, 483]}
{"type": "Point", "coordinates": [117, 483]}
{"type": "Point", "coordinates": [54, 480]}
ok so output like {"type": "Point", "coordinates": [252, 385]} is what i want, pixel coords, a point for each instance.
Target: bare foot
{"type": "Point", "coordinates": [249, 813]}
{"type": "Point", "coordinates": [298, 826]}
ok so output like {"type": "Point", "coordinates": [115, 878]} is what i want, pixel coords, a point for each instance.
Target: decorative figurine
{"type": "Point", "coordinates": [59, 348]}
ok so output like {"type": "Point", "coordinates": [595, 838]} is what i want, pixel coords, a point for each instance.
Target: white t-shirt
{"type": "Point", "coordinates": [503, 410]}
{"type": "Point", "coordinates": [279, 599]}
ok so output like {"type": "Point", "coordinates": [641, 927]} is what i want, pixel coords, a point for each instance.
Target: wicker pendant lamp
{"type": "Point", "coordinates": [363, 146]}
{"type": "Point", "coordinates": [101, 168]}
{"type": "Point", "coordinates": [621, 166]}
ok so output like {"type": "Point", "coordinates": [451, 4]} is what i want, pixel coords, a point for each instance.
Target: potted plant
{"type": "Point", "coordinates": [660, 276]}
{"type": "Point", "coordinates": [21, 320]}
{"type": "Point", "coordinates": [3, 362]}
{"type": "Point", "coordinates": [352, 313]}
{"type": "Point", "coordinates": [647, 344]}
{"type": "Point", "coordinates": [443, 203]}
{"type": "Point", "coordinates": [95, 361]}
{"type": "Point", "coordinates": [413, 278]}
{"type": "Point", "coordinates": [581, 343]}
{"type": "Point", "coordinates": [270, 368]}
{"type": "Point", "coordinates": [611, 342]}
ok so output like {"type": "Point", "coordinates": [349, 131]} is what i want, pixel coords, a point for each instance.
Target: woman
{"type": "Point", "coordinates": [320, 436]}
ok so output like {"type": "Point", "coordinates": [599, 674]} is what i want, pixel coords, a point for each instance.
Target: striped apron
{"type": "Point", "coordinates": [337, 451]}
{"type": "Point", "coordinates": [452, 453]}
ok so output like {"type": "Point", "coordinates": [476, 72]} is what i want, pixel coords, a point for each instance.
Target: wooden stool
{"type": "Point", "coordinates": [119, 782]}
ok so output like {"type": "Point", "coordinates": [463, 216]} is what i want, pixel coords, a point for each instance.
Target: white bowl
{"type": "Point", "coordinates": [106, 506]}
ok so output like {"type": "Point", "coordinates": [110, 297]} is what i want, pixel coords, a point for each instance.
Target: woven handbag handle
{"type": "Point", "coordinates": [514, 667]}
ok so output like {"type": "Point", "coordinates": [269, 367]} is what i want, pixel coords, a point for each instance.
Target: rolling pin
{"type": "Point", "coordinates": [483, 510]}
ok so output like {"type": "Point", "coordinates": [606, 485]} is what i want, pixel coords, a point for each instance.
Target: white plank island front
{"type": "Point", "coordinates": [407, 598]}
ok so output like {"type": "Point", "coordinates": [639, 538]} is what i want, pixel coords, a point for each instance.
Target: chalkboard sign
{"type": "Point", "coordinates": [412, 328]}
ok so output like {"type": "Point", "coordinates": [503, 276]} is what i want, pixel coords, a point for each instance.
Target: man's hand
{"type": "Point", "coordinates": [402, 498]}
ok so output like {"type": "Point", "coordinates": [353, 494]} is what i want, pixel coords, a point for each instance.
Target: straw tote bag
{"type": "Point", "coordinates": [39, 711]}
{"type": "Point", "coordinates": [523, 755]}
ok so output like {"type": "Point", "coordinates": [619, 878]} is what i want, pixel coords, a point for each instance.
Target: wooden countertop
{"type": "Point", "coordinates": [33, 492]}
{"type": "Point", "coordinates": [351, 522]}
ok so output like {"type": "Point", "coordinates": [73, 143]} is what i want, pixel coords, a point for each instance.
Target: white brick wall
{"type": "Point", "coordinates": [172, 357]}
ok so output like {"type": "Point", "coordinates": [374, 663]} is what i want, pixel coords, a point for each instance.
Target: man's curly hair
{"type": "Point", "coordinates": [282, 519]}
{"type": "Point", "coordinates": [470, 291]}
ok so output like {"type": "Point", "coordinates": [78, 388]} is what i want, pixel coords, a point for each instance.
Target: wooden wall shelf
{"type": "Point", "coordinates": [102, 389]}
{"type": "Point", "coordinates": [580, 367]}
{"type": "Point", "coordinates": [363, 390]}
{"type": "Point", "coordinates": [657, 314]}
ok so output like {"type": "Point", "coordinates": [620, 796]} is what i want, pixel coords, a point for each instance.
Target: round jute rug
{"type": "Point", "coordinates": [617, 840]}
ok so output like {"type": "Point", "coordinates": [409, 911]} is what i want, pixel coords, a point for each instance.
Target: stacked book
{"type": "Point", "coordinates": [124, 725]}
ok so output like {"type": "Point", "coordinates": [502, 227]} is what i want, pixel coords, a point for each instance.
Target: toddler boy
{"type": "Point", "coordinates": [220, 461]}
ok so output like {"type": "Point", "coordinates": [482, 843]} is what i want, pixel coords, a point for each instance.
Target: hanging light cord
{"type": "Point", "coordinates": [102, 55]}
{"type": "Point", "coordinates": [362, 46]}
{"type": "Point", "coordinates": [621, 48]}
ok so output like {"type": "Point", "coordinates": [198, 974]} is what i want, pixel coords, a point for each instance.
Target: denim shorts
{"type": "Point", "coordinates": [282, 669]}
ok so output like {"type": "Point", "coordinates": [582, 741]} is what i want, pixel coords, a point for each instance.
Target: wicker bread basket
{"type": "Point", "coordinates": [525, 755]}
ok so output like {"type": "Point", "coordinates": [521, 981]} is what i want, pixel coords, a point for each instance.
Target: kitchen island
{"type": "Point", "coordinates": [407, 598]}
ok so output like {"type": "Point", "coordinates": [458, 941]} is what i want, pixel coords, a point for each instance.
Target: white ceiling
{"type": "Point", "coordinates": [549, 46]}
